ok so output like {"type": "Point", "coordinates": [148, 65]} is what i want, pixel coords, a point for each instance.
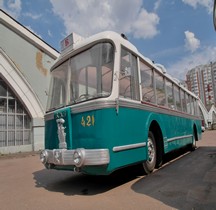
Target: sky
{"type": "Point", "coordinates": [179, 34]}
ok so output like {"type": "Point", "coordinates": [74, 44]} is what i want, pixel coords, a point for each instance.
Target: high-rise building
{"type": "Point", "coordinates": [202, 81]}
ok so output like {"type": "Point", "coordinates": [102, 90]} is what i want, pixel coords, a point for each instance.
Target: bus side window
{"type": "Point", "coordinates": [188, 103]}
{"type": "Point", "coordinates": [148, 94]}
{"type": "Point", "coordinates": [160, 89]}
{"type": "Point", "coordinates": [193, 106]}
{"type": "Point", "coordinates": [169, 91]}
{"type": "Point", "coordinates": [129, 83]}
{"type": "Point", "coordinates": [183, 101]}
{"type": "Point", "coordinates": [177, 98]}
{"type": "Point", "coordinates": [196, 107]}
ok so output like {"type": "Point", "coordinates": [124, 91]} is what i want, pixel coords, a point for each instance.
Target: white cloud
{"type": "Point", "coordinates": [14, 4]}
{"type": "Point", "coordinates": [91, 16]}
{"type": "Point", "coordinates": [191, 42]}
{"type": "Point", "coordinates": [145, 25]}
{"type": "Point", "coordinates": [50, 33]}
{"type": "Point", "coordinates": [208, 4]}
{"type": "Point", "coordinates": [157, 5]}
{"type": "Point", "coordinates": [12, 7]}
{"type": "Point", "coordinates": [33, 16]}
{"type": "Point", "coordinates": [180, 68]}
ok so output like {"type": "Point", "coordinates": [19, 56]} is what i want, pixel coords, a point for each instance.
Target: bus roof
{"type": "Point", "coordinates": [106, 35]}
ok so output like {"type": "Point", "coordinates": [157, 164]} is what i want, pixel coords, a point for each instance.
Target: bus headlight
{"type": "Point", "coordinates": [78, 157]}
{"type": "Point", "coordinates": [43, 156]}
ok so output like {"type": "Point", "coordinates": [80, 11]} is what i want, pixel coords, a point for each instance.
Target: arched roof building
{"type": "Point", "coordinates": [25, 60]}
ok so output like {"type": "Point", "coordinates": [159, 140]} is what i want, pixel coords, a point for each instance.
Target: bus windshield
{"type": "Point", "coordinates": [85, 76]}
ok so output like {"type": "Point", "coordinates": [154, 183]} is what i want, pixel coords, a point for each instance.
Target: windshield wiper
{"type": "Point", "coordinates": [87, 97]}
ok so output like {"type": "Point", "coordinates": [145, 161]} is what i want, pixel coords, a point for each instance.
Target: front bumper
{"type": "Point", "coordinates": [78, 158]}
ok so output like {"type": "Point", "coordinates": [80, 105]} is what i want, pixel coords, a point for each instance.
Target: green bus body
{"type": "Point", "coordinates": [109, 129]}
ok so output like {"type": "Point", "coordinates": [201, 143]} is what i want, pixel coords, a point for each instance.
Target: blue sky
{"type": "Point", "coordinates": [178, 34]}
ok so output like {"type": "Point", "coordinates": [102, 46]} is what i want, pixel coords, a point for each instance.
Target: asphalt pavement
{"type": "Point", "coordinates": [186, 181]}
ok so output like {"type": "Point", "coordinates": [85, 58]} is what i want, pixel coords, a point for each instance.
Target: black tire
{"type": "Point", "coordinates": [192, 146]}
{"type": "Point", "coordinates": [149, 165]}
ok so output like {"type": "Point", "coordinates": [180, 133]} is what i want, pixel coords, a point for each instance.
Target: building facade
{"type": "Point", "coordinates": [202, 81]}
{"type": "Point", "coordinates": [25, 60]}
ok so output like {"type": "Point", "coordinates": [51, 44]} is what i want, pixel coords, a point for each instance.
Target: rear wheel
{"type": "Point", "coordinates": [150, 163]}
{"type": "Point", "coordinates": [193, 144]}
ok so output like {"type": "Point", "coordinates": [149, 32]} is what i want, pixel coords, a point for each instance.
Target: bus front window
{"type": "Point", "coordinates": [57, 94]}
{"type": "Point", "coordinates": [86, 76]}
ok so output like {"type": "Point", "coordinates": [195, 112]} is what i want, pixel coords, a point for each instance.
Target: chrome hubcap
{"type": "Point", "coordinates": [151, 150]}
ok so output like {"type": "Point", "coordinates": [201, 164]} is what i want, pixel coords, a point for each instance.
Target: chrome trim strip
{"type": "Point", "coordinates": [85, 106]}
{"type": "Point", "coordinates": [65, 157]}
{"type": "Point", "coordinates": [93, 105]}
{"type": "Point", "coordinates": [129, 146]}
{"type": "Point", "coordinates": [105, 103]}
{"type": "Point", "coordinates": [179, 137]}
{"type": "Point", "coordinates": [96, 157]}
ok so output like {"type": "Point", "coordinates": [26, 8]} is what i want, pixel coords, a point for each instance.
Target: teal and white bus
{"type": "Point", "coordinates": [110, 107]}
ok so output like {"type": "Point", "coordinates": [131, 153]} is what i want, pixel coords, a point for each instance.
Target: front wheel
{"type": "Point", "coordinates": [150, 163]}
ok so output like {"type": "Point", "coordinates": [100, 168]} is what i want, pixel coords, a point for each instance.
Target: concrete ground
{"type": "Point", "coordinates": [186, 181]}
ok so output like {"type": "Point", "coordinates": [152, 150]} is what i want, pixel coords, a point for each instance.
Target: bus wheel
{"type": "Point", "coordinates": [193, 144]}
{"type": "Point", "coordinates": [150, 163]}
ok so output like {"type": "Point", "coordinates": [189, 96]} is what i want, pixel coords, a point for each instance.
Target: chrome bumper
{"type": "Point", "coordinates": [78, 158]}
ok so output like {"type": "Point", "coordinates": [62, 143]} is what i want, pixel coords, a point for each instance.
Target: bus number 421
{"type": "Point", "coordinates": [88, 121]}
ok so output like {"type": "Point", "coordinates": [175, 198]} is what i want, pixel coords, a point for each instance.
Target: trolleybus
{"type": "Point", "coordinates": [110, 107]}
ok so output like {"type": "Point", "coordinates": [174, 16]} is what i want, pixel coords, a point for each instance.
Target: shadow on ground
{"type": "Point", "coordinates": [188, 183]}
{"type": "Point", "coordinates": [187, 180]}
{"type": "Point", "coordinates": [71, 183]}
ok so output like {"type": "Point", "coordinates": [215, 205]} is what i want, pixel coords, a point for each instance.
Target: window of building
{"type": "Point", "coordinates": [15, 123]}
